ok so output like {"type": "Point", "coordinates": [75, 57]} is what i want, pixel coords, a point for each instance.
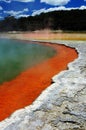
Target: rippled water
{"type": "Point", "coordinates": [16, 56]}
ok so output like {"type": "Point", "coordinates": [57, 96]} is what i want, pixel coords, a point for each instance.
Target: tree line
{"type": "Point", "coordinates": [73, 20]}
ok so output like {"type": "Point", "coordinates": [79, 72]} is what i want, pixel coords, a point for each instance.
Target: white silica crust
{"type": "Point", "coordinates": [62, 106]}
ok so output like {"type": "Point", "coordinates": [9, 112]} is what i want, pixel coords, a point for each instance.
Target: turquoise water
{"type": "Point", "coordinates": [16, 56]}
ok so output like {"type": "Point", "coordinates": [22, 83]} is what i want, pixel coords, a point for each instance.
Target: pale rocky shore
{"type": "Point", "coordinates": [62, 106]}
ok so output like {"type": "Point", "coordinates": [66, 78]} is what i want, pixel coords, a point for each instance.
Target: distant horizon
{"type": "Point", "coordinates": [25, 8]}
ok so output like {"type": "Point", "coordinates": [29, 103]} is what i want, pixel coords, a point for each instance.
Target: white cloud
{"type": "Point", "coordinates": [16, 13]}
{"type": "Point", "coordinates": [83, 7]}
{"type": "Point", "coordinates": [56, 8]}
{"type": "Point", "coordinates": [25, 10]}
{"type": "Point", "coordinates": [59, 8]}
{"type": "Point", "coordinates": [22, 15]}
{"type": "Point", "coordinates": [24, 0]}
{"type": "Point", "coordinates": [37, 12]}
{"type": "Point", "coordinates": [1, 8]}
{"type": "Point", "coordinates": [56, 2]}
{"type": "Point", "coordinates": [9, 1]}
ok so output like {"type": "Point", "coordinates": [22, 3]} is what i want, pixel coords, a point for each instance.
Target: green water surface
{"type": "Point", "coordinates": [16, 56]}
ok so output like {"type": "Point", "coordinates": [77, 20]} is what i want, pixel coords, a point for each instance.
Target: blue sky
{"type": "Point", "coordinates": [25, 8]}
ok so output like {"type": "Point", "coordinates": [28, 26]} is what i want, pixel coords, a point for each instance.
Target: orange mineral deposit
{"type": "Point", "coordinates": [27, 86]}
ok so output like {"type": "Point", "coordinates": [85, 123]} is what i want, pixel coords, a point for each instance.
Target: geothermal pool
{"type": "Point", "coordinates": [26, 69]}
{"type": "Point", "coordinates": [17, 56]}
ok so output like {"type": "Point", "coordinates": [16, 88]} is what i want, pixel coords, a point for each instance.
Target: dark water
{"type": "Point", "coordinates": [16, 56]}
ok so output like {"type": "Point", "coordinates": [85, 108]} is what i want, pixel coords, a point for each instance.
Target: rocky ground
{"type": "Point", "coordinates": [62, 106]}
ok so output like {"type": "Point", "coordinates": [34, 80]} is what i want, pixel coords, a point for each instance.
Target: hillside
{"type": "Point", "coordinates": [73, 20]}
